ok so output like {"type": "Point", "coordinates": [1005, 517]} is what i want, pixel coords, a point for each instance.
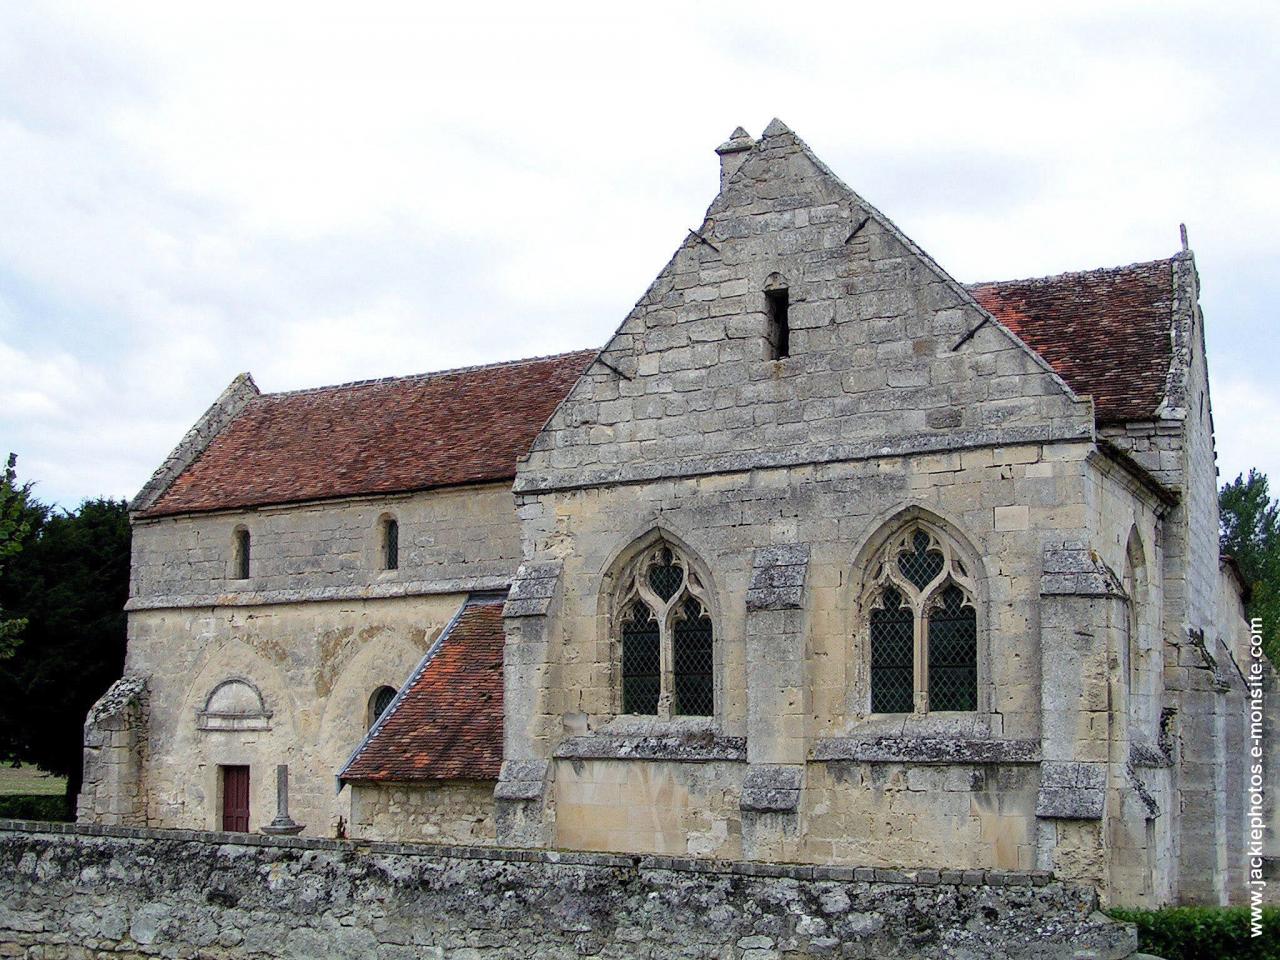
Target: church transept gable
{"type": "Point", "coordinates": [796, 324]}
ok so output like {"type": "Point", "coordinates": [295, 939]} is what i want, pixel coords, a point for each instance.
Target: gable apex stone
{"type": "Point", "coordinates": [776, 128]}
{"type": "Point", "coordinates": [738, 141]}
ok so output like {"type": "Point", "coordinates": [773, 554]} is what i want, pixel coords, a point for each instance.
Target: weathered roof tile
{"type": "Point", "coordinates": [447, 722]}
{"type": "Point", "coordinates": [379, 436]}
{"type": "Point", "coordinates": [1105, 332]}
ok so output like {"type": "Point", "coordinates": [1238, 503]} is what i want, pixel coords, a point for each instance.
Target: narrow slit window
{"type": "Point", "coordinates": [777, 303]}
{"type": "Point", "coordinates": [390, 544]}
{"type": "Point", "coordinates": [242, 555]}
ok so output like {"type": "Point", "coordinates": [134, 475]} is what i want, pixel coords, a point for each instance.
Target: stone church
{"type": "Point", "coordinates": [826, 557]}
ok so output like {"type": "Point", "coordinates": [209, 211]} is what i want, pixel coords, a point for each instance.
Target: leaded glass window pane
{"type": "Point", "coordinates": [892, 656]}
{"type": "Point", "coordinates": [692, 660]}
{"type": "Point", "coordinates": [953, 653]}
{"type": "Point", "coordinates": [920, 564]}
{"type": "Point", "coordinates": [641, 662]}
{"type": "Point", "coordinates": [667, 636]}
{"type": "Point", "coordinates": [391, 557]}
{"type": "Point", "coordinates": [382, 698]}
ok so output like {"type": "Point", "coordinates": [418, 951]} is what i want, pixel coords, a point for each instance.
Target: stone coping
{"type": "Point", "coordinates": [926, 750]}
{"type": "Point", "coordinates": [706, 748]}
{"type": "Point", "coordinates": [363, 591]}
{"type": "Point", "coordinates": [1148, 755]}
{"type": "Point", "coordinates": [550, 481]}
{"type": "Point", "coordinates": [916, 876]}
{"type": "Point", "coordinates": [695, 747]}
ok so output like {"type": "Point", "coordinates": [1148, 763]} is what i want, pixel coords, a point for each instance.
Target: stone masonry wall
{"type": "Point", "coordinates": [451, 541]}
{"type": "Point", "coordinates": [315, 630]}
{"type": "Point", "coordinates": [1004, 502]}
{"type": "Point", "coordinates": [887, 352]}
{"type": "Point", "coordinates": [315, 665]}
{"type": "Point", "coordinates": [435, 812]}
{"type": "Point", "coordinates": [115, 745]}
{"type": "Point", "coordinates": [78, 894]}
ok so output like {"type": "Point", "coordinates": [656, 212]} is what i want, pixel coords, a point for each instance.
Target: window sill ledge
{"type": "Point", "coordinates": [926, 750]}
{"type": "Point", "coordinates": [690, 746]}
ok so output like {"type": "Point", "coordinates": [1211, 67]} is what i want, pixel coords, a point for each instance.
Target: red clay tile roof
{"type": "Point", "coordinates": [379, 436]}
{"type": "Point", "coordinates": [446, 724]}
{"type": "Point", "coordinates": [1105, 332]}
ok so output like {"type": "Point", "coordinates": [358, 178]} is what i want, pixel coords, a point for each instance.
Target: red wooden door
{"type": "Point", "coordinates": [235, 799]}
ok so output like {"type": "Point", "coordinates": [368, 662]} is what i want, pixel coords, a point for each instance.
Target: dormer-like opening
{"type": "Point", "coordinates": [379, 702]}
{"type": "Point", "coordinates": [777, 300]}
{"type": "Point", "coordinates": [240, 554]}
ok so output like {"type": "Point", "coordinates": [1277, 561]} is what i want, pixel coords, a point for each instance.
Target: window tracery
{"type": "Point", "coordinates": [922, 627]}
{"type": "Point", "coordinates": [667, 636]}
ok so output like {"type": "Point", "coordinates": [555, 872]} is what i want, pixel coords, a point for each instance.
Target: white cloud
{"type": "Point", "coordinates": [1245, 417]}
{"type": "Point", "coordinates": [318, 195]}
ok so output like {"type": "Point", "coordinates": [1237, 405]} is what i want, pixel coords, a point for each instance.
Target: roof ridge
{"type": "Point", "coordinates": [428, 375]}
{"type": "Point", "coordinates": [1090, 272]}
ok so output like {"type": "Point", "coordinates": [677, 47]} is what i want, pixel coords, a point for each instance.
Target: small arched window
{"type": "Point", "coordinates": [390, 543]}
{"type": "Point", "coordinates": [379, 702]}
{"type": "Point", "coordinates": [667, 637]}
{"type": "Point", "coordinates": [922, 626]}
{"type": "Point", "coordinates": [240, 555]}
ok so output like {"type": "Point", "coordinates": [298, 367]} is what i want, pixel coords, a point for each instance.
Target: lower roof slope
{"type": "Point", "coordinates": [446, 722]}
{"type": "Point", "coordinates": [1107, 333]}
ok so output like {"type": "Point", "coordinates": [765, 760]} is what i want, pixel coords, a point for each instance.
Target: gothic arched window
{"type": "Point", "coordinates": [922, 625]}
{"type": "Point", "coordinates": [667, 636]}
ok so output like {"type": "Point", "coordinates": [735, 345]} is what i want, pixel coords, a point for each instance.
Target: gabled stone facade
{"type": "Point", "coordinates": [816, 561]}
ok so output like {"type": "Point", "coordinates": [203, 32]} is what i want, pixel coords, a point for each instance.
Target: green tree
{"type": "Point", "coordinates": [1251, 534]}
{"type": "Point", "coordinates": [70, 583]}
{"type": "Point", "coordinates": [15, 524]}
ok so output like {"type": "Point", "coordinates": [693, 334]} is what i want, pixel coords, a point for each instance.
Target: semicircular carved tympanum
{"type": "Point", "coordinates": [234, 704]}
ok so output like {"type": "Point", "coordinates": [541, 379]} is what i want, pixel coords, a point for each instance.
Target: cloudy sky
{"type": "Point", "coordinates": [324, 194]}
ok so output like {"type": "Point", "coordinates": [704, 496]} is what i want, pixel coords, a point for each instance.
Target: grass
{"type": "Point", "coordinates": [30, 781]}
{"type": "Point", "coordinates": [28, 793]}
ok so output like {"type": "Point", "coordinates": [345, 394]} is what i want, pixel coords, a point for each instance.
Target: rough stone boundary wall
{"type": "Point", "coordinates": [79, 892]}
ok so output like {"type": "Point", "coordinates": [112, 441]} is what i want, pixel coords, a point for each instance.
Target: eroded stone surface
{"type": "Point", "coordinates": [76, 895]}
